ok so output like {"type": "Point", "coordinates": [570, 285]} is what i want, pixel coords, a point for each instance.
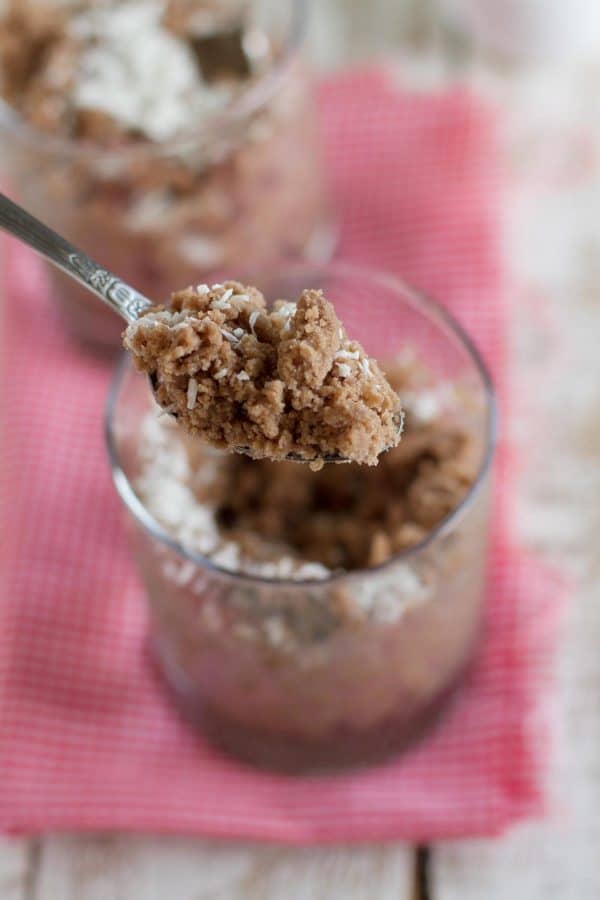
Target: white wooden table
{"type": "Point", "coordinates": [555, 246]}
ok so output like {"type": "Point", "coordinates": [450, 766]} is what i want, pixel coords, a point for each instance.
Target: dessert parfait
{"type": "Point", "coordinates": [167, 138]}
{"type": "Point", "coordinates": [310, 619]}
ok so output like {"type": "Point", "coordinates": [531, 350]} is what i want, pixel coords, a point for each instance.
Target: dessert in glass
{"type": "Point", "coordinates": [310, 620]}
{"type": "Point", "coordinates": [168, 138]}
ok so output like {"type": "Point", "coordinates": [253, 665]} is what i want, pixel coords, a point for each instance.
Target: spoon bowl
{"type": "Point", "coordinates": [336, 458]}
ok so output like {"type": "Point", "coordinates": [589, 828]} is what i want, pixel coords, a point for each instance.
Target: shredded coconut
{"type": "Point", "coordinates": [386, 599]}
{"type": "Point", "coordinates": [229, 336]}
{"type": "Point", "coordinates": [424, 406]}
{"type": "Point", "coordinates": [275, 631]}
{"type": "Point", "coordinates": [252, 320]}
{"type": "Point", "coordinates": [148, 211]}
{"type": "Point", "coordinates": [138, 72]}
{"type": "Point", "coordinates": [287, 309]}
{"type": "Point", "coordinates": [221, 374]}
{"type": "Point", "coordinates": [347, 354]}
{"type": "Point", "coordinates": [343, 370]}
{"type": "Point", "coordinates": [192, 393]}
{"type": "Point", "coordinates": [243, 376]}
{"type": "Point", "coordinates": [181, 575]}
{"type": "Point", "coordinates": [220, 303]}
{"type": "Point", "coordinates": [163, 487]}
{"type": "Point", "coordinates": [201, 251]}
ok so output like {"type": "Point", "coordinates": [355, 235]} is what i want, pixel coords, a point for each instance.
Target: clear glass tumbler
{"type": "Point", "coordinates": [245, 183]}
{"type": "Point", "coordinates": [349, 668]}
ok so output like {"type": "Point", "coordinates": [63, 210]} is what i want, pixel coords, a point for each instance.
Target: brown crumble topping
{"type": "Point", "coordinates": [279, 383]}
{"type": "Point", "coordinates": [277, 518]}
{"type": "Point", "coordinates": [66, 67]}
{"type": "Point", "coordinates": [348, 517]}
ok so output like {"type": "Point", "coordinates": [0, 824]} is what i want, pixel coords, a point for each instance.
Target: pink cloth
{"type": "Point", "coordinates": [87, 738]}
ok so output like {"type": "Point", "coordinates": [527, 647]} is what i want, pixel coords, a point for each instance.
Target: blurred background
{"type": "Point", "coordinates": [538, 63]}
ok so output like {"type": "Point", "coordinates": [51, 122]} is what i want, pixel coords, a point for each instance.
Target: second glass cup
{"type": "Point", "coordinates": [242, 184]}
{"type": "Point", "coordinates": [314, 668]}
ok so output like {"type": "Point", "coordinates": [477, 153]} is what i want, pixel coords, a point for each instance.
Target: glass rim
{"type": "Point", "coordinates": [247, 103]}
{"type": "Point", "coordinates": [434, 311]}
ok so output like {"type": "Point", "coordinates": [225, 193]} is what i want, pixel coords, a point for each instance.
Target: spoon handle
{"type": "Point", "coordinates": [124, 300]}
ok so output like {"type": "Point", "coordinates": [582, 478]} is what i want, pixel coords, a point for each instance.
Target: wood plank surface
{"type": "Point", "coordinates": [15, 869]}
{"type": "Point", "coordinates": [129, 868]}
{"type": "Point", "coordinates": [557, 859]}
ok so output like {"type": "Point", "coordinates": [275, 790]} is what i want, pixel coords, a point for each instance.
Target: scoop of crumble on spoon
{"type": "Point", "coordinates": [280, 383]}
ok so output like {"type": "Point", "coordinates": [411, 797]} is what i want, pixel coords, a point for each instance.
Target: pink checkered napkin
{"type": "Point", "coordinates": [87, 739]}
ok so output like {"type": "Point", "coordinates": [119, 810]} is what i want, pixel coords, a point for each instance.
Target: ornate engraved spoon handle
{"type": "Point", "coordinates": [122, 298]}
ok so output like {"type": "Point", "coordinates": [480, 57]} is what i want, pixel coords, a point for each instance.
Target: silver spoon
{"type": "Point", "coordinates": [121, 298]}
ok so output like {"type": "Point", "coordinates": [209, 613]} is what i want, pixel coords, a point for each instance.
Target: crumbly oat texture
{"type": "Point", "coordinates": [348, 517]}
{"type": "Point", "coordinates": [278, 519]}
{"type": "Point", "coordinates": [122, 71]}
{"type": "Point", "coordinates": [273, 384]}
